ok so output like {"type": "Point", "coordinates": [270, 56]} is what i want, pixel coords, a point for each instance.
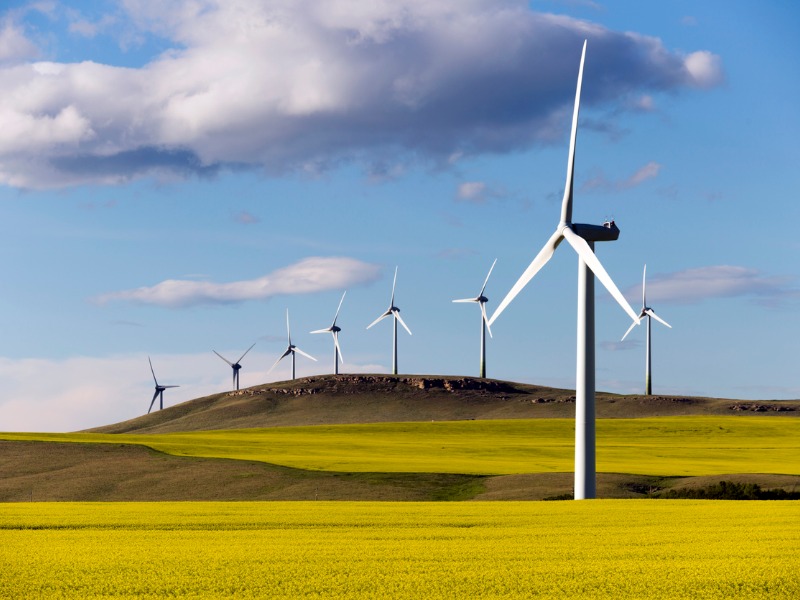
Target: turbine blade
{"type": "Point", "coordinates": [381, 318]}
{"type": "Point", "coordinates": [336, 343]}
{"type": "Point", "coordinates": [152, 402]}
{"type": "Point", "coordinates": [336, 316]}
{"type": "Point", "coordinates": [327, 330]}
{"type": "Point", "coordinates": [545, 254]}
{"type": "Point", "coordinates": [485, 318]}
{"type": "Point", "coordinates": [169, 386]}
{"type": "Point", "coordinates": [245, 353]}
{"type": "Point", "coordinates": [634, 324]}
{"type": "Point", "coordinates": [288, 330]}
{"type": "Point", "coordinates": [467, 300]}
{"type": "Point", "coordinates": [223, 358]}
{"type": "Point", "coordinates": [653, 314]}
{"type": "Point", "coordinates": [644, 287]}
{"type": "Point", "coordinates": [394, 284]}
{"type": "Point", "coordinates": [566, 203]}
{"type": "Point", "coordinates": [399, 318]}
{"type": "Point", "coordinates": [296, 349]}
{"type": "Point", "coordinates": [585, 252]}
{"type": "Point", "coordinates": [487, 277]}
{"type": "Point", "coordinates": [151, 370]}
{"type": "Point", "coordinates": [280, 358]}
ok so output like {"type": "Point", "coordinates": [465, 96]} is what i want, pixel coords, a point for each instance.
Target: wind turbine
{"type": "Point", "coordinates": [334, 331]}
{"type": "Point", "coordinates": [393, 311]}
{"type": "Point", "coordinates": [290, 349]}
{"type": "Point", "coordinates": [582, 238]}
{"type": "Point", "coordinates": [481, 300]}
{"type": "Point", "coordinates": [650, 314]}
{"type": "Point", "coordinates": [235, 365]}
{"type": "Point", "coordinates": [159, 390]}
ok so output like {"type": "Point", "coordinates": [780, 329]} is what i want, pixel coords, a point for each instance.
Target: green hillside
{"type": "Point", "coordinates": [404, 438]}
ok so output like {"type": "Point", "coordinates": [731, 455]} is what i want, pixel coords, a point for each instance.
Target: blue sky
{"type": "Point", "coordinates": [174, 177]}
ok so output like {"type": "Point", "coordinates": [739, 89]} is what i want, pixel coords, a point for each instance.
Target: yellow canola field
{"type": "Point", "coordinates": [590, 549]}
{"type": "Point", "coordinates": [690, 445]}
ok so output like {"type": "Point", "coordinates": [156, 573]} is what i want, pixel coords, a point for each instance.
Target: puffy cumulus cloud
{"type": "Point", "coordinates": [302, 85]}
{"type": "Point", "coordinates": [314, 274]}
{"type": "Point", "coordinates": [720, 281]}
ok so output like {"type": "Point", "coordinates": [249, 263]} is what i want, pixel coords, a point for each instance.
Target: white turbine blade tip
{"type": "Point", "coordinates": [545, 254]}
{"type": "Point", "coordinates": [653, 314]}
{"type": "Point", "coordinates": [296, 349]}
{"type": "Point", "coordinates": [379, 319]}
{"type": "Point", "coordinates": [634, 324]}
{"type": "Point", "coordinates": [403, 323]}
{"type": "Point", "coordinates": [585, 252]}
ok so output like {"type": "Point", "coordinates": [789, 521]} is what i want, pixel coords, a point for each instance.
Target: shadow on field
{"type": "Point", "coordinates": [50, 471]}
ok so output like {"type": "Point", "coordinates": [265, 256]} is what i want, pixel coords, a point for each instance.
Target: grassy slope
{"type": "Point", "coordinates": [659, 446]}
{"type": "Point", "coordinates": [57, 471]}
{"type": "Point", "coordinates": [341, 399]}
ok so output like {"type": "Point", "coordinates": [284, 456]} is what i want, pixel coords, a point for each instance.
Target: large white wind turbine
{"type": "Point", "coordinates": [290, 349]}
{"type": "Point", "coordinates": [236, 366]}
{"type": "Point", "coordinates": [393, 311]}
{"type": "Point", "coordinates": [650, 314]}
{"type": "Point", "coordinates": [481, 300]}
{"type": "Point", "coordinates": [334, 331]}
{"type": "Point", "coordinates": [159, 390]}
{"type": "Point", "coordinates": [581, 237]}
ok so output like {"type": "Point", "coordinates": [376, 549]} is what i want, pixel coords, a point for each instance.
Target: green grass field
{"type": "Point", "coordinates": [662, 446]}
{"type": "Point", "coordinates": [592, 549]}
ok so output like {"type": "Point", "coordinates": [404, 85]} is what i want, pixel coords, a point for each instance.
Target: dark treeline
{"type": "Point", "coordinates": [730, 490]}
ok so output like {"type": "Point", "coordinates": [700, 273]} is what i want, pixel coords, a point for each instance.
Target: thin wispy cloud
{"type": "Point", "coordinates": [602, 183]}
{"type": "Point", "coordinates": [246, 218]}
{"type": "Point", "coordinates": [691, 286]}
{"type": "Point", "coordinates": [303, 86]}
{"type": "Point", "coordinates": [310, 275]}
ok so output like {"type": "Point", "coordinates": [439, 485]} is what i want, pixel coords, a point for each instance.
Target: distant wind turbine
{"type": "Point", "coordinates": [290, 349]}
{"type": "Point", "coordinates": [235, 365]}
{"type": "Point", "coordinates": [334, 331]}
{"type": "Point", "coordinates": [481, 300]}
{"type": "Point", "coordinates": [650, 314]}
{"type": "Point", "coordinates": [159, 390]}
{"type": "Point", "coordinates": [581, 237]}
{"type": "Point", "coordinates": [393, 311]}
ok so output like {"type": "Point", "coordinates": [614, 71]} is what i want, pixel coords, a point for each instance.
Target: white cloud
{"type": "Point", "coordinates": [472, 191]}
{"type": "Point", "coordinates": [602, 183]}
{"type": "Point", "coordinates": [705, 69]}
{"type": "Point", "coordinates": [314, 274]}
{"type": "Point", "coordinates": [720, 281]}
{"type": "Point", "coordinates": [649, 171]}
{"type": "Point", "coordinates": [14, 44]}
{"type": "Point", "coordinates": [301, 85]}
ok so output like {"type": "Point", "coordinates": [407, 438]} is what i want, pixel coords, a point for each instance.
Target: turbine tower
{"type": "Point", "coordinates": [159, 390]}
{"type": "Point", "coordinates": [334, 331]}
{"type": "Point", "coordinates": [582, 238]}
{"type": "Point", "coordinates": [481, 300]}
{"type": "Point", "coordinates": [290, 349]}
{"type": "Point", "coordinates": [393, 311]}
{"type": "Point", "coordinates": [650, 314]}
{"type": "Point", "coordinates": [235, 365]}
